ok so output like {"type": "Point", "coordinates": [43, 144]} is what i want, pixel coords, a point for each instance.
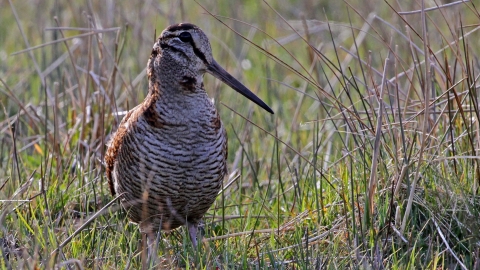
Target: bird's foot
{"type": "Point", "coordinates": [192, 231]}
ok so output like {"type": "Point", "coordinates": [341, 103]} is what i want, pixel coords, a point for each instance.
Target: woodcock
{"type": "Point", "coordinates": [168, 157]}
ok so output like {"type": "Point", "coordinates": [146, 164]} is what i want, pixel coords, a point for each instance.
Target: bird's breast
{"type": "Point", "coordinates": [174, 152]}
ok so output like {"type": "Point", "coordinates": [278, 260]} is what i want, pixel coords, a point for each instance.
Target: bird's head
{"type": "Point", "coordinates": [185, 50]}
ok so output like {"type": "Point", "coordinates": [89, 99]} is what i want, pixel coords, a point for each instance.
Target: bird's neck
{"type": "Point", "coordinates": [179, 100]}
{"type": "Point", "coordinates": [176, 90]}
{"type": "Point", "coordinates": [173, 79]}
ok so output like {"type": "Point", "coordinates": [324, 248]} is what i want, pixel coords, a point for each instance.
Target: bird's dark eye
{"type": "Point", "coordinates": [185, 37]}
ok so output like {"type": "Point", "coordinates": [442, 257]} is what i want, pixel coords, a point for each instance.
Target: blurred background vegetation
{"type": "Point", "coordinates": [366, 163]}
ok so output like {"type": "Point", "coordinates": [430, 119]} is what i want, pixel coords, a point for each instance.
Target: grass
{"type": "Point", "coordinates": [370, 160]}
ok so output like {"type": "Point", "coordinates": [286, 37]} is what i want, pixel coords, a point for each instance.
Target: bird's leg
{"type": "Point", "coordinates": [192, 231]}
{"type": "Point", "coordinates": [151, 248]}
{"type": "Point", "coordinates": [145, 255]}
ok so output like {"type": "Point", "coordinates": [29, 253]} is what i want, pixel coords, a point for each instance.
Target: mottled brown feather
{"type": "Point", "coordinates": [188, 83]}
{"type": "Point", "coordinates": [112, 150]}
{"type": "Point", "coordinates": [216, 122]}
{"type": "Point", "coordinates": [147, 109]}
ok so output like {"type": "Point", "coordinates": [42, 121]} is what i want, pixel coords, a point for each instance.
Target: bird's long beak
{"type": "Point", "coordinates": [216, 70]}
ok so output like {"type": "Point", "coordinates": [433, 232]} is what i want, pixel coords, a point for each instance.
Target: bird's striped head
{"type": "Point", "coordinates": [186, 45]}
{"type": "Point", "coordinates": [185, 51]}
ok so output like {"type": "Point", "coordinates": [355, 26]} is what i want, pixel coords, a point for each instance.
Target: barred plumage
{"type": "Point", "coordinates": [168, 156]}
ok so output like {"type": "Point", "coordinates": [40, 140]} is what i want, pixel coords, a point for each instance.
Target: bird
{"type": "Point", "coordinates": [168, 157]}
